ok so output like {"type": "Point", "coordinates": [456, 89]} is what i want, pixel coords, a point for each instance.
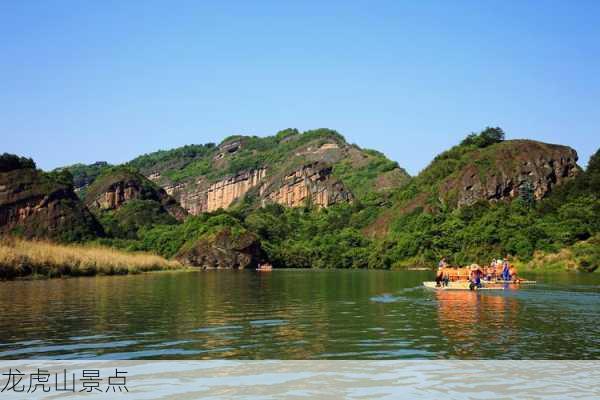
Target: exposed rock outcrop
{"type": "Point", "coordinates": [36, 204]}
{"type": "Point", "coordinates": [288, 169]}
{"type": "Point", "coordinates": [120, 185]}
{"type": "Point", "coordinates": [503, 173]}
{"type": "Point", "coordinates": [310, 183]}
{"type": "Point", "coordinates": [224, 192]}
{"type": "Point", "coordinates": [223, 250]}
{"type": "Point", "coordinates": [204, 197]}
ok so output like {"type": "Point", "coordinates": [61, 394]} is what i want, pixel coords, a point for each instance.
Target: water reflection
{"type": "Point", "coordinates": [473, 320]}
{"type": "Point", "coordinates": [294, 315]}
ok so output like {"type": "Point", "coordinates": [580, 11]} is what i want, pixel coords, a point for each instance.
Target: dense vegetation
{"type": "Point", "coordinates": [9, 162]}
{"type": "Point", "coordinates": [84, 174]}
{"type": "Point", "coordinates": [125, 221]}
{"type": "Point", "coordinates": [334, 237]}
{"type": "Point", "coordinates": [255, 152]}
{"type": "Point", "coordinates": [569, 215]}
{"type": "Point", "coordinates": [195, 160]}
{"type": "Point", "coordinates": [110, 175]}
{"type": "Point", "coordinates": [567, 222]}
{"type": "Point", "coordinates": [474, 146]}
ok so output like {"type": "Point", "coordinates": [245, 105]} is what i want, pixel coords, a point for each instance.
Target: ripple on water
{"type": "Point", "coordinates": [62, 348]}
{"type": "Point", "coordinates": [217, 329]}
{"type": "Point", "coordinates": [385, 298]}
{"type": "Point", "coordinates": [22, 343]}
{"type": "Point", "coordinates": [268, 322]}
{"type": "Point", "coordinates": [172, 343]}
{"type": "Point", "coordinates": [131, 355]}
{"type": "Point", "coordinates": [146, 333]}
{"type": "Point", "coordinates": [90, 337]}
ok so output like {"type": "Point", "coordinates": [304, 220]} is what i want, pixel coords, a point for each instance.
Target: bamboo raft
{"type": "Point", "coordinates": [462, 285]}
{"type": "Point", "coordinates": [518, 282]}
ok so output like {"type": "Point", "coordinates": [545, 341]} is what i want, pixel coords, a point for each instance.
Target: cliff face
{"type": "Point", "coordinates": [200, 196]}
{"type": "Point", "coordinates": [512, 167]}
{"type": "Point", "coordinates": [114, 189]}
{"type": "Point", "coordinates": [36, 204]}
{"type": "Point", "coordinates": [312, 182]}
{"type": "Point", "coordinates": [224, 192]}
{"type": "Point", "coordinates": [287, 170]}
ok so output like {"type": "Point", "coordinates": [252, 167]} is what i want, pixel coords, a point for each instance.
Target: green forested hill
{"type": "Point", "coordinates": [485, 197]}
{"type": "Point", "coordinates": [362, 171]}
{"type": "Point", "coordinates": [37, 204]}
{"type": "Point", "coordinates": [417, 223]}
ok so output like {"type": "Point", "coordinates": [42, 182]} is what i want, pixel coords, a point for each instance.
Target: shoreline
{"type": "Point", "coordinates": [25, 259]}
{"type": "Point", "coordinates": [36, 260]}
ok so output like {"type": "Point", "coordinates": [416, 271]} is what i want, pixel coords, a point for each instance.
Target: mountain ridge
{"type": "Point", "coordinates": [313, 200]}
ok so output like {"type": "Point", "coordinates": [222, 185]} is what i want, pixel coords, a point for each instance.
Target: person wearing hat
{"type": "Point", "coordinates": [441, 276]}
{"type": "Point", "coordinates": [475, 277]}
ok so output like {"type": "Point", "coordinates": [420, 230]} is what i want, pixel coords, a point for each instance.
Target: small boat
{"type": "Point", "coordinates": [264, 267]}
{"type": "Point", "coordinates": [460, 285]}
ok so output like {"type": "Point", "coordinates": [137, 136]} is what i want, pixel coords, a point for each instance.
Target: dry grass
{"type": "Point", "coordinates": [22, 258]}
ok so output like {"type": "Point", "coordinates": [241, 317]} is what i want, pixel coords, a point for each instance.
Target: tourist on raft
{"type": "Point", "coordinates": [506, 270]}
{"type": "Point", "coordinates": [442, 277]}
{"type": "Point", "coordinates": [476, 274]}
{"type": "Point", "coordinates": [513, 273]}
{"type": "Point", "coordinates": [490, 271]}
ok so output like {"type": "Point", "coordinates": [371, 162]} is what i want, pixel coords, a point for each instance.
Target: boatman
{"type": "Point", "coordinates": [475, 277]}
{"type": "Point", "coordinates": [442, 276]}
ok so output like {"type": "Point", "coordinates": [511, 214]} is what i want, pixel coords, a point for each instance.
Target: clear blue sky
{"type": "Point", "coordinates": [83, 81]}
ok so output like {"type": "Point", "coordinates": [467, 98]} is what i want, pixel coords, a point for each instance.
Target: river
{"type": "Point", "coordinates": [297, 314]}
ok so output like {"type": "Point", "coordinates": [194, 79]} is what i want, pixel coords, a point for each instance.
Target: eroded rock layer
{"type": "Point", "coordinates": [200, 196]}
{"type": "Point", "coordinates": [118, 187]}
{"type": "Point", "coordinates": [311, 183]}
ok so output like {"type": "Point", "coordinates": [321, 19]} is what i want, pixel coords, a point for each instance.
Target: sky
{"type": "Point", "coordinates": [110, 80]}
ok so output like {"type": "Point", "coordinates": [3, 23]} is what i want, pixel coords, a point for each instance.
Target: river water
{"type": "Point", "coordinates": [297, 314]}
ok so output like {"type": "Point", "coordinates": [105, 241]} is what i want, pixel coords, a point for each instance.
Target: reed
{"type": "Point", "coordinates": [20, 257]}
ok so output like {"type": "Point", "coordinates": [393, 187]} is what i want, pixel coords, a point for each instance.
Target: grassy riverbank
{"type": "Point", "coordinates": [582, 256]}
{"type": "Point", "coordinates": [19, 258]}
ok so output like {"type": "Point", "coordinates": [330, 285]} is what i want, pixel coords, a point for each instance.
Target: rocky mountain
{"type": "Point", "coordinates": [503, 171]}
{"type": "Point", "coordinates": [117, 186]}
{"type": "Point", "coordinates": [484, 168]}
{"type": "Point", "coordinates": [125, 200]}
{"type": "Point", "coordinates": [290, 168]}
{"type": "Point", "coordinates": [313, 200]}
{"type": "Point", "coordinates": [36, 204]}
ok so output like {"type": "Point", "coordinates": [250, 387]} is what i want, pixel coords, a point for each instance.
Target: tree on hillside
{"type": "Point", "coordinates": [526, 193]}
{"type": "Point", "coordinates": [9, 162]}
{"type": "Point", "coordinates": [593, 172]}
{"type": "Point", "coordinates": [485, 138]}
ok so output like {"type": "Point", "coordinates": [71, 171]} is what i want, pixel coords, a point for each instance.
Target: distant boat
{"type": "Point", "coordinates": [264, 267]}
